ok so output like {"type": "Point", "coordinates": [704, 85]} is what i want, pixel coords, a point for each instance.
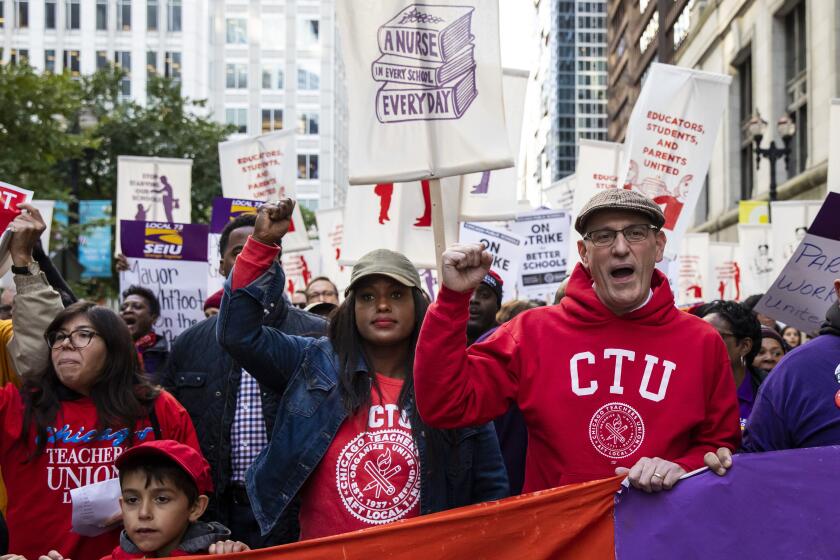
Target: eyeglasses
{"type": "Point", "coordinates": [633, 234]}
{"type": "Point", "coordinates": [78, 339]}
{"type": "Point", "coordinates": [325, 293]}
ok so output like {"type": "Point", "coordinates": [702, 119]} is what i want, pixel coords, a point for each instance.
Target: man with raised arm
{"type": "Point", "coordinates": [612, 380]}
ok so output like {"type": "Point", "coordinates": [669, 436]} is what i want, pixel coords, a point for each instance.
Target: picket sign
{"type": "Point", "coordinates": [10, 197]}
{"type": "Point", "coordinates": [834, 147]}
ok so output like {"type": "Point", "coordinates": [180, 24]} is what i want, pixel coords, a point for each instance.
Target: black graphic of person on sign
{"type": "Point", "coordinates": [168, 199]}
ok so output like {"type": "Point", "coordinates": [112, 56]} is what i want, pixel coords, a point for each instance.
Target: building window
{"type": "Point", "coordinates": [101, 60]}
{"type": "Point", "coordinates": [151, 65]}
{"type": "Point", "coordinates": [71, 63]}
{"type": "Point", "coordinates": [122, 60]}
{"type": "Point", "coordinates": [151, 15]}
{"type": "Point", "coordinates": [796, 82]}
{"type": "Point", "coordinates": [650, 33]}
{"type": "Point", "coordinates": [236, 31]}
{"type": "Point", "coordinates": [102, 15]}
{"type": "Point", "coordinates": [307, 166]}
{"type": "Point", "coordinates": [273, 77]}
{"type": "Point", "coordinates": [272, 119]}
{"type": "Point", "coordinates": [19, 56]}
{"type": "Point", "coordinates": [123, 15]}
{"type": "Point", "coordinates": [72, 14]}
{"type": "Point", "coordinates": [307, 37]}
{"type": "Point", "coordinates": [173, 15]}
{"type": "Point", "coordinates": [2, 18]}
{"type": "Point", "coordinates": [49, 14]}
{"type": "Point", "coordinates": [745, 113]}
{"type": "Point", "coordinates": [308, 123]}
{"type": "Point", "coordinates": [238, 118]}
{"type": "Point", "coordinates": [172, 66]}
{"type": "Point", "coordinates": [309, 75]}
{"type": "Point", "coordinates": [236, 76]}
{"type": "Point", "coordinates": [21, 14]}
{"type": "Point", "coordinates": [274, 32]}
{"type": "Point", "coordinates": [49, 61]}
{"type": "Point", "coordinates": [683, 24]}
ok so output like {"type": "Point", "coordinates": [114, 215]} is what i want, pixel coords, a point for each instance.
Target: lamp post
{"type": "Point", "coordinates": [786, 129]}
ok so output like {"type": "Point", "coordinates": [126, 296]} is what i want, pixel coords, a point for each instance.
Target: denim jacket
{"type": "Point", "coordinates": [467, 468]}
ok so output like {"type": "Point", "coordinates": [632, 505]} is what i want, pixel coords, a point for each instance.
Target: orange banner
{"type": "Point", "coordinates": [574, 521]}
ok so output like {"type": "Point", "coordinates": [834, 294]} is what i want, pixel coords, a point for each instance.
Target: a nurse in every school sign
{"type": "Point", "coordinates": [424, 84]}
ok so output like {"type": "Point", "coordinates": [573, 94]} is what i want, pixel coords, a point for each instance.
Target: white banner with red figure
{"type": "Point", "coordinates": [670, 138]}
{"type": "Point", "coordinates": [424, 85]}
{"type": "Point", "coordinates": [693, 268]}
{"type": "Point", "coordinates": [726, 274]}
{"type": "Point", "coordinates": [755, 246]}
{"type": "Point", "coordinates": [397, 217]}
{"type": "Point", "coordinates": [300, 268]}
{"type": "Point", "coordinates": [791, 220]}
{"type": "Point", "coordinates": [491, 195]}
{"type": "Point", "coordinates": [330, 236]}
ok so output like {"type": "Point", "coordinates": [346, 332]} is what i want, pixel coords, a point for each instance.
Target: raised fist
{"type": "Point", "coordinates": [273, 221]}
{"type": "Point", "coordinates": [464, 266]}
{"type": "Point", "coordinates": [27, 228]}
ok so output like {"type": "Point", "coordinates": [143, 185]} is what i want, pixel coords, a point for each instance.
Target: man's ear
{"type": "Point", "coordinates": [661, 240]}
{"type": "Point", "coordinates": [222, 268]}
{"type": "Point", "coordinates": [198, 508]}
{"type": "Point", "coordinates": [582, 253]}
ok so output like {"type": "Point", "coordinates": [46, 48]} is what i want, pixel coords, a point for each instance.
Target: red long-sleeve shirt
{"type": "Point", "coordinates": [597, 390]}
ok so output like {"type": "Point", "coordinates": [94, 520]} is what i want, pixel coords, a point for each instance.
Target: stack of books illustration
{"type": "Point", "coordinates": [427, 64]}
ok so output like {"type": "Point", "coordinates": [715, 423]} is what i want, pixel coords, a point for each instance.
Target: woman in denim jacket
{"type": "Point", "coordinates": [348, 442]}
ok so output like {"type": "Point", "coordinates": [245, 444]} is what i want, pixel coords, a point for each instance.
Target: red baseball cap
{"type": "Point", "coordinates": [185, 456]}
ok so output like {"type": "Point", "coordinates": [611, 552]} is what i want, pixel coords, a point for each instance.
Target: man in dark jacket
{"type": "Point", "coordinates": [232, 413]}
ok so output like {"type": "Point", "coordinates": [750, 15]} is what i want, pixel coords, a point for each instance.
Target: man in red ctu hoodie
{"type": "Point", "coordinates": [612, 380]}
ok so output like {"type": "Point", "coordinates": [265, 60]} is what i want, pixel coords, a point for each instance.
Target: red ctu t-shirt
{"type": "Point", "coordinates": [370, 474]}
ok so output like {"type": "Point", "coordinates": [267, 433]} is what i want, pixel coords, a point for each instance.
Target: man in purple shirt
{"type": "Point", "coordinates": [799, 403]}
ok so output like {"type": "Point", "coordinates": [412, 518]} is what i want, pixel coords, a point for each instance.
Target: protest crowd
{"type": "Point", "coordinates": [266, 424]}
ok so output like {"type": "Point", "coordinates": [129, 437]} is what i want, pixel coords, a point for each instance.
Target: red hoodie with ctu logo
{"type": "Point", "coordinates": [597, 390]}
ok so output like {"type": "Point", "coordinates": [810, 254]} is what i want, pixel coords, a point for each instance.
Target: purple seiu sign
{"type": "Point", "coordinates": [427, 64]}
{"type": "Point", "coordinates": [227, 209]}
{"type": "Point", "coordinates": [163, 240]}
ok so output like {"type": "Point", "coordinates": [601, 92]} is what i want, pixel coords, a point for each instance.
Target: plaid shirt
{"type": "Point", "coordinates": [247, 433]}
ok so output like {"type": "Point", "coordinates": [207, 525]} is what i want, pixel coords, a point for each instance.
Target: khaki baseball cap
{"type": "Point", "coordinates": [387, 263]}
{"type": "Point", "coordinates": [619, 199]}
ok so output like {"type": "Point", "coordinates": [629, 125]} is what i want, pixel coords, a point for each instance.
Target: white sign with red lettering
{"type": "Point", "coordinates": [10, 197]}
{"type": "Point", "coordinates": [330, 236]}
{"type": "Point", "coordinates": [726, 274]}
{"type": "Point", "coordinates": [670, 138]}
{"type": "Point", "coordinates": [693, 267]}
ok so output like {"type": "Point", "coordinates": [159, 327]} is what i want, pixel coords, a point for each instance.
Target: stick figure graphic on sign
{"type": "Point", "coordinates": [384, 191]}
{"type": "Point", "coordinates": [141, 213]}
{"type": "Point", "coordinates": [168, 199]}
{"type": "Point", "coordinates": [483, 186]}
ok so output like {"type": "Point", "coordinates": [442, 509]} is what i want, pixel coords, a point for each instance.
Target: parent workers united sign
{"type": "Point", "coordinates": [424, 84]}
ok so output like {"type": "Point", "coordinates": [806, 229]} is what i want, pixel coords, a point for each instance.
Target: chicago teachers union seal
{"type": "Point", "coordinates": [616, 430]}
{"type": "Point", "coordinates": [378, 476]}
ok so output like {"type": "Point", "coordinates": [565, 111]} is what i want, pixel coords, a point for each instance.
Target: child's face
{"type": "Point", "coordinates": [156, 515]}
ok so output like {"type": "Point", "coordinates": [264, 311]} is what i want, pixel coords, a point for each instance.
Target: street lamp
{"type": "Point", "coordinates": [786, 129]}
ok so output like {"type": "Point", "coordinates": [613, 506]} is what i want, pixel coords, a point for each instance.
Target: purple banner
{"type": "Point", "coordinates": [227, 209]}
{"type": "Point", "coordinates": [783, 504]}
{"type": "Point", "coordinates": [161, 240]}
{"type": "Point", "coordinates": [827, 222]}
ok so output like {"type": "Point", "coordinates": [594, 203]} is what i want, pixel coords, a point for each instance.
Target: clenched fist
{"type": "Point", "coordinates": [464, 266]}
{"type": "Point", "coordinates": [273, 221]}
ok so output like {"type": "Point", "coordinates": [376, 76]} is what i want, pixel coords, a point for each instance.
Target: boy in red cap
{"type": "Point", "coordinates": [164, 492]}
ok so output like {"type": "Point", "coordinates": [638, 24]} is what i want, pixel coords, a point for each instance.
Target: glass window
{"type": "Point", "coordinates": [72, 14]}
{"type": "Point", "coordinates": [2, 18]}
{"type": "Point", "coordinates": [49, 61]}
{"type": "Point", "coordinates": [152, 15]}
{"type": "Point", "coordinates": [49, 14]}
{"type": "Point", "coordinates": [236, 76]}
{"type": "Point", "coordinates": [101, 60]}
{"type": "Point", "coordinates": [309, 75]}
{"type": "Point", "coordinates": [273, 31]}
{"type": "Point", "coordinates": [307, 166]}
{"type": "Point", "coordinates": [308, 123]}
{"type": "Point", "coordinates": [19, 56]}
{"type": "Point", "coordinates": [102, 15]}
{"type": "Point", "coordinates": [122, 59]}
{"type": "Point", "coordinates": [173, 15]}
{"type": "Point", "coordinates": [308, 32]}
{"type": "Point", "coordinates": [71, 63]}
{"type": "Point", "coordinates": [172, 68]}
{"type": "Point", "coordinates": [272, 119]}
{"type": "Point", "coordinates": [123, 15]}
{"type": "Point", "coordinates": [236, 31]}
{"type": "Point", "coordinates": [796, 84]}
{"type": "Point", "coordinates": [21, 14]}
{"type": "Point", "coordinates": [272, 77]}
{"type": "Point", "coordinates": [151, 64]}
{"type": "Point", "coordinates": [238, 118]}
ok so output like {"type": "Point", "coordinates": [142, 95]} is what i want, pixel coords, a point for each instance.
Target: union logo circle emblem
{"type": "Point", "coordinates": [377, 476]}
{"type": "Point", "coordinates": [616, 430]}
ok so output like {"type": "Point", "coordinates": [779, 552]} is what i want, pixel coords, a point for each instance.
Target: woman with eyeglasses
{"type": "Point", "coordinates": [68, 424]}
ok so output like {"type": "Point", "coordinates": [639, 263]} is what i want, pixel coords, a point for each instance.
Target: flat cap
{"type": "Point", "coordinates": [622, 200]}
